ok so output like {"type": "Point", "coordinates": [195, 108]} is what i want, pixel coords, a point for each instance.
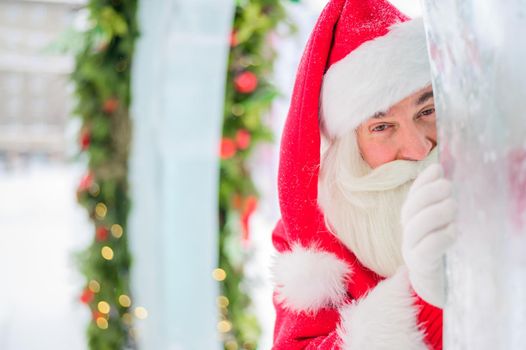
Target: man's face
{"type": "Point", "coordinates": [407, 131]}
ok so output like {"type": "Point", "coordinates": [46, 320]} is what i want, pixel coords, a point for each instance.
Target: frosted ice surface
{"type": "Point", "coordinates": [478, 51]}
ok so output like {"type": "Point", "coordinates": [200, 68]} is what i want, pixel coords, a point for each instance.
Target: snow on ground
{"type": "Point", "coordinates": [41, 227]}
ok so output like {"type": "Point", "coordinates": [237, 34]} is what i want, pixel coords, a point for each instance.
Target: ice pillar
{"type": "Point", "coordinates": [478, 51]}
{"type": "Point", "coordinates": [178, 94]}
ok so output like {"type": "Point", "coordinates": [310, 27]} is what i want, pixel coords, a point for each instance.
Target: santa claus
{"type": "Point", "coordinates": [367, 214]}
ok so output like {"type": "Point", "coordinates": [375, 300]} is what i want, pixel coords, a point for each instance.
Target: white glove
{"type": "Point", "coordinates": [428, 222]}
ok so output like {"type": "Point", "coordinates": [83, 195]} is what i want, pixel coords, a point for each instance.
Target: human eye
{"type": "Point", "coordinates": [427, 111]}
{"type": "Point", "coordinates": [380, 128]}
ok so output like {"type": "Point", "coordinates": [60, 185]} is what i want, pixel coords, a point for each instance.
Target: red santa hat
{"type": "Point", "coordinates": [379, 56]}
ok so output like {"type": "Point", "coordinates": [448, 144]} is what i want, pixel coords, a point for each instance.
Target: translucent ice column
{"type": "Point", "coordinates": [478, 54]}
{"type": "Point", "coordinates": [178, 93]}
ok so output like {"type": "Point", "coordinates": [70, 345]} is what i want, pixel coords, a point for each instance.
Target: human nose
{"type": "Point", "coordinates": [415, 144]}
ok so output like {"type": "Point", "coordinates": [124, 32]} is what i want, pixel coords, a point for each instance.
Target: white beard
{"type": "Point", "coordinates": [362, 205]}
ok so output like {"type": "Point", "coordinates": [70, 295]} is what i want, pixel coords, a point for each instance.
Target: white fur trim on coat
{"type": "Point", "coordinates": [375, 76]}
{"type": "Point", "coordinates": [308, 279]}
{"type": "Point", "coordinates": [385, 319]}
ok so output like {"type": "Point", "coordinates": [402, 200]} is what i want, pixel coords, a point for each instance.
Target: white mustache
{"type": "Point", "coordinates": [389, 175]}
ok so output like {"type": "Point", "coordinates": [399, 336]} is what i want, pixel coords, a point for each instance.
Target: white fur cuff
{"type": "Point", "coordinates": [308, 279]}
{"type": "Point", "coordinates": [385, 319]}
{"type": "Point", "coordinates": [375, 76]}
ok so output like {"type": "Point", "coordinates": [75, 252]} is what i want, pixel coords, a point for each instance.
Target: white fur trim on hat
{"type": "Point", "coordinates": [385, 319]}
{"type": "Point", "coordinates": [308, 279]}
{"type": "Point", "coordinates": [375, 76]}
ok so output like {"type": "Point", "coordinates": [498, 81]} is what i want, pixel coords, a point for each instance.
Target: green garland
{"type": "Point", "coordinates": [102, 88]}
{"type": "Point", "coordinates": [249, 95]}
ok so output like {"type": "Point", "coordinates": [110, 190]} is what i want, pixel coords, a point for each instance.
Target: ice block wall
{"type": "Point", "coordinates": [478, 56]}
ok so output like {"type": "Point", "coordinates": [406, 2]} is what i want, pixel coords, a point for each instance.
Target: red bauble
{"type": "Point", "coordinates": [87, 296]}
{"type": "Point", "coordinates": [86, 182]}
{"type": "Point", "coordinates": [102, 233]}
{"type": "Point", "coordinates": [110, 105]}
{"type": "Point", "coordinates": [85, 139]}
{"type": "Point", "coordinates": [228, 148]}
{"type": "Point", "coordinates": [246, 82]}
{"type": "Point", "coordinates": [249, 208]}
{"type": "Point", "coordinates": [233, 39]}
{"type": "Point", "coordinates": [243, 138]}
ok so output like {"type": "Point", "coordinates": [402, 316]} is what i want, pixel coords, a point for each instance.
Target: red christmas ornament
{"type": "Point", "coordinates": [233, 39]}
{"type": "Point", "coordinates": [249, 208]}
{"type": "Point", "coordinates": [110, 105]}
{"type": "Point", "coordinates": [246, 82]}
{"type": "Point", "coordinates": [86, 182]}
{"type": "Point", "coordinates": [85, 139]}
{"type": "Point", "coordinates": [228, 148]}
{"type": "Point", "coordinates": [87, 296]}
{"type": "Point", "coordinates": [243, 138]}
{"type": "Point", "coordinates": [102, 234]}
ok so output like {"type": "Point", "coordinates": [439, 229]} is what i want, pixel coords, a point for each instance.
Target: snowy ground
{"type": "Point", "coordinates": [41, 227]}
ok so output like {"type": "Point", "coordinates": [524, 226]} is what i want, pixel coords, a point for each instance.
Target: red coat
{"type": "Point", "coordinates": [324, 298]}
{"type": "Point", "coordinates": [353, 308]}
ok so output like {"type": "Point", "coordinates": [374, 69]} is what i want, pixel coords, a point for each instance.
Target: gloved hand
{"type": "Point", "coordinates": [428, 224]}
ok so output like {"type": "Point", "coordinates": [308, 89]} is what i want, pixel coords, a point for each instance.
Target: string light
{"type": "Point", "coordinates": [103, 307]}
{"type": "Point", "coordinates": [245, 61]}
{"type": "Point", "coordinates": [222, 301]}
{"type": "Point", "coordinates": [106, 252]}
{"type": "Point", "coordinates": [141, 313]}
{"type": "Point", "coordinates": [116, 230]}
{"type": "Point", "coordinates": [94, 190]}
{"type": "Point", "coordinates": [94, 286]}
{"type": "Point", "coordinates": [219, 274]}
{"type": "Point", "coordinates": [102, 323]}
{"type": "Point", "coordinates": [124, 300]}
{"type": "Point", "coordinates": [127, 318]}
{"type": "Point", "coordinates": [101, 210]}
{"type": "Point", "coordinates": [249, 345]}
{"type": "Point", "coordinates": [224, 326]}
{"type": "Point", "coordinates": [133, 332]}
{"type": "Point", "coordinates": [238, 110]}
{"type": "Point", "coordinates": [231, 345]}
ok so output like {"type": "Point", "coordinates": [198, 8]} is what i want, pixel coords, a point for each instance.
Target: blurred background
{"type": "Point", "coordinates": [139, 145]}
